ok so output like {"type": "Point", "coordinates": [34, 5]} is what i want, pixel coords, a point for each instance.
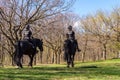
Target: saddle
{"type": "Point", "coordinates": [74, 43]}
{"type": "Point", "coordinates": [30, 42]}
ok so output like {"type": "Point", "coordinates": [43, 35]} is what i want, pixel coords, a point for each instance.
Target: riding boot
{"type": "Point", "coordinates": [32, 45]}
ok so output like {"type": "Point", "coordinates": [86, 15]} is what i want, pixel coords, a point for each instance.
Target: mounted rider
{"type": "Point", "coordinates": [28, 35]}
{"type": "Point", "coordinates": [70, 46]}
{"type": "Point", "coordinates": [71, 36]}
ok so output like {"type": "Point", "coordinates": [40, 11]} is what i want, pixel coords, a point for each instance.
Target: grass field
{"type": "Point", "coordinates": [101, 70]}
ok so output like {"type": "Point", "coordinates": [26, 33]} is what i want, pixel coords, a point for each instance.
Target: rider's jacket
{"type": "Point", "coordinates": [27, 34]}
{"type": "Point", "coordinates": [71, 35]}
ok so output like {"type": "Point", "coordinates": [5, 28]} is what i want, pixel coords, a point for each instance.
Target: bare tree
{"type": "Point", "coordinates": [16, 14]}
{"type": "Point", "coordinates": [97, 26]}
{"type": "Point", "coordinates": [114, 23]}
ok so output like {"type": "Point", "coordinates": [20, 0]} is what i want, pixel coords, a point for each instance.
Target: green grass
{"type": "Point", "coordinates": [100, 70]}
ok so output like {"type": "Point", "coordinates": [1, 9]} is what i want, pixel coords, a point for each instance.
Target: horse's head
{"type": "Point", "coordinates": [67, 44]}
{"type": "Point", "coordinates": [39, 43]}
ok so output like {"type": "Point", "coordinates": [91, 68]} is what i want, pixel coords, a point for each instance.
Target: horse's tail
{"type": "Point", "coordinates": [17, 51]}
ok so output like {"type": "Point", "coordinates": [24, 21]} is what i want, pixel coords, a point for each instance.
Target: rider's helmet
{"type": "Point", "coordinates": [70, 27]}
{"type": "Point", "coordinates": [28, 27]}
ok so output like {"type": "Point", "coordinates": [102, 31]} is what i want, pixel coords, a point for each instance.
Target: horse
{"type": "Point", "coordinates": [24, 47]}
{"type": "Point", "coordinates": [70, 48]}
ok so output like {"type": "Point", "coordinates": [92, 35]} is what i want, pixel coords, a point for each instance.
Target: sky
{"type": "Point", "coordinates": [85, 7]}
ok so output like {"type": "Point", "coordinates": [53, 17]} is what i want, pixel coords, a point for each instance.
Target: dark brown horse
{"type": "Point", "coordinates": [24, 47]}
{"type": "Point", "coordinates": [70, 48]}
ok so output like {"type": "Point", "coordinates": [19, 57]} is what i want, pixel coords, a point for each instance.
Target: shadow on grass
{"type": "Point", "coordinates": [52, 73]}
{"type": "Point", "coordinates": [89, 66]}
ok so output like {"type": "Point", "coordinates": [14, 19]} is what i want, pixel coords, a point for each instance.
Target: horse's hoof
{"type": "Point", "coordinates": [18, 67]}
{"type": "Point", "coordinates": [72, 65]}
{"type": "Point", "coordinates": [30, 67]}
{"type": "Point", "coordinates": [68, 66]}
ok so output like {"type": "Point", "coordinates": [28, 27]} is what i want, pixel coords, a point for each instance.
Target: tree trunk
{"type": "Point", "coordinates": [34, 58]}
{"type": "Point", "coordinates": [94, 56]}
{"type": "Point", "coordinates": [105, 52]}
{"type": "Point", "coordinates": [83, 57]}
{"type": "Point", "coordinates": [59, 53]}
{"type": "Point", "coordinates": [52, 58]}
{"type": "Point", "coordinates": [118, 54]}
{"type": "Point", "coordinates": [84, 52]}
{"type": "Point", "coordinates": [12, 59]}
{"type": "Point", "coordinates": [41, 57]}
{"type": "Point", "coordinates": [2, 57]}
{"type": "Point", "coordinates": [56, 57]}
{"type": "Point", "coordinates": [48, 55]}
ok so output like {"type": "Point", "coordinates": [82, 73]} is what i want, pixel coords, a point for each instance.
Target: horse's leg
{"type": "Point", "coordinates": [68, 60]}
{"type": "Point", "coordinates": [30, 57]}
{"type": "Point", "coordinates": [18, 62]}
{"type": "Point", "coordinates": [68, 64]}
{"type": "Point", "coordinates": [14, 58]}
{"type": "Point", "coordinates": [31, 60]}
{"type": "Point", "coordinates": [18, 55]}
{"type": "Point", "coordinates": [72, 60]}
